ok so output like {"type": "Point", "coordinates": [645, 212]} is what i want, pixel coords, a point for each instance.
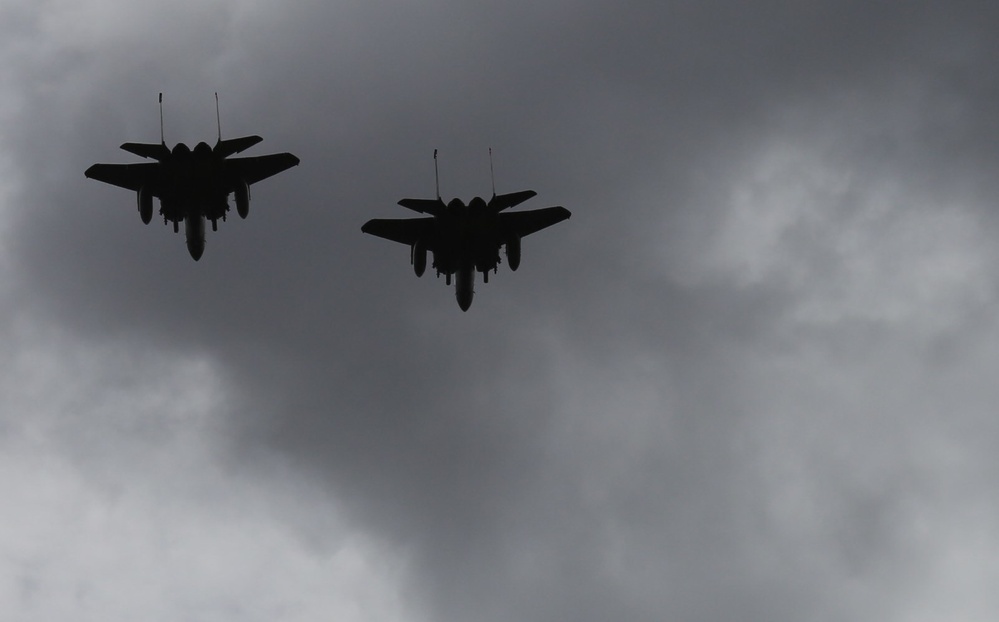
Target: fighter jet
{"type": "Point", "coordinates": [192, 184]}
{"type": "Point", "coordinates": [465, 239]}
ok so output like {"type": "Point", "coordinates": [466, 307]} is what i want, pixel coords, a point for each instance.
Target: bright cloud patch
{"type": "Point", "coordinates": [118, 503]}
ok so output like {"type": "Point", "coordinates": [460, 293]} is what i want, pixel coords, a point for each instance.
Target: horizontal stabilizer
{"type": "Point", "coordinates": [434, 207]}
{"type": "Point", "coordinates": [226, 148]}
{"type": "Point", "coordinates": [501, 202]}
{"type": "Point", "coordinates": [156, 151]}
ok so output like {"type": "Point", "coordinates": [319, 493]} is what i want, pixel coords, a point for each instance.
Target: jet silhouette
{"type": "Point", "coordinates": [465, 239]}
{"type": "Point", "coordinates": [192, 184]}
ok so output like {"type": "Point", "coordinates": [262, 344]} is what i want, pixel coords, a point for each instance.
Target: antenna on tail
{"type": "Point", "coordinates": [218, 118]}
{"type": "Point", "coordinates": [162, 139]}
{"type": "Point", "coordinates": [437, 179]}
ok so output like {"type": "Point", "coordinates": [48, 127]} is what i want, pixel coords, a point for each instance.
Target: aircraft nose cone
{"type": "Point", "coordinates": [196, 250]}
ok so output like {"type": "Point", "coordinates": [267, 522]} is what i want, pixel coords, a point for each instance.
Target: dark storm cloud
{"type": "Point", "coordinates": [601, 435]}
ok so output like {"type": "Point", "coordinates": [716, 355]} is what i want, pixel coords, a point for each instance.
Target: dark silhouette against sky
{"type": "Point", "coordinates": [753, 378]}
{"type": "Point", "coordinates": [192, 185]}
{"type": "Point", "coordinates": [465, 239]}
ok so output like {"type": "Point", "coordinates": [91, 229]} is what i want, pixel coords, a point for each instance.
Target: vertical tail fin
{"type": "Point", "coordinates": [162, 137]}
{"type": "Point", "coordinates": [492, 176]}
{"type": "Point", "coordinates": [151, 150]}
{"type": "Point", "coordinates": [437, 179]}
{"type": "Point", "coordinates": [226, 148]}
{"type": "Point", "coordinates": [218, 117]}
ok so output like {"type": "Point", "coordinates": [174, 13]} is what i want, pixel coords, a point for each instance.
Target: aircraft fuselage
{"type": "Point", "coordinates": [465, 239]}
{"type": "Point", "coordinates": [194, 230]}
{"type": "Point", "coordinates": [192, 192]}
{"type": "Point", "coordinates": [192, 185]}
{"type": "Point", "coordinates": [466, 235]}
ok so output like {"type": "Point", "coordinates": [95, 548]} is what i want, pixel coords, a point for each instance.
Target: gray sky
{"type": "Point", "coordinates": [752, 378]}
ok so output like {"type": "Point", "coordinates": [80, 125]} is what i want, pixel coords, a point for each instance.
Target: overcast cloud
{"type": "Point", "coordinates": [752, 377]}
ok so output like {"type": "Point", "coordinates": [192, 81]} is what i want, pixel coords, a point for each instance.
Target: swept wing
{"type": "Point", "coordinates": [130, 176]}
{"type": "Point", "coordinates": [403, 230]}
{"type": "Point", "coordinates": [528, 222]}
{"type": "Point", "coordinates": [252, 170]}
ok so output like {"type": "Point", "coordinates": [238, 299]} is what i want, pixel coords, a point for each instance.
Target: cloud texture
{"type": "Point", "coordinates": [752, 377]}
